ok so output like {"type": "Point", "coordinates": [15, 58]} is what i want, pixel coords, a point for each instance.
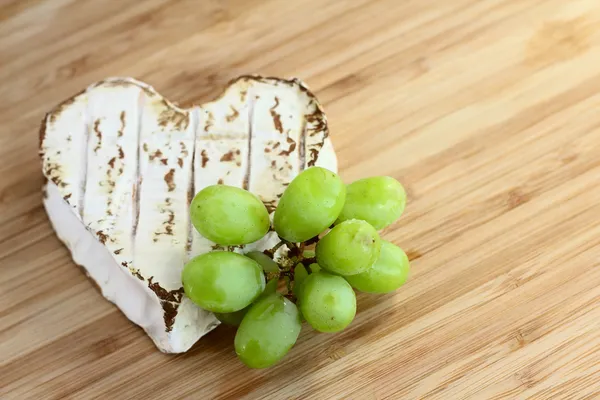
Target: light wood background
{"type": "Point", "coordinates": [488, 112]}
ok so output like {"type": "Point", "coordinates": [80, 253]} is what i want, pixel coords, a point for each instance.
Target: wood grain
{"type": "Point", "coordinates": [487, 111]}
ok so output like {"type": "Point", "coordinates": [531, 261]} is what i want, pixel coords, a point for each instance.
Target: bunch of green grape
{"type": "Point", "coordinates": [244, 290]}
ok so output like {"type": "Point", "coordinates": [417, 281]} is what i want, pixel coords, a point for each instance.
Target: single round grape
{"type": "Point", "coordinates": [311, 203]}
{"type": "Point", "coordinates": [389, 272]}
{"type": "Point", "coordinates": [327, 302]}
{"type": "Point", "coordinates": [236, 317]}
{"type": "Point", "coordinates": [264, 260]}
{"type": "Point", "coordinates": [222, 281]}
{"type": "Point", "coordinates": [268, 331]}
{"type": "Point", "coordinates": [349, 248]}
{"type": "Point", "coordinates": [379, 200]}
{"type": "Point", "coordinates": [228, 215]}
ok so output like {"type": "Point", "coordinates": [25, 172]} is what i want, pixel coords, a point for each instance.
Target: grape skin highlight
{"type": "Point", "coordinates": [222, 281]}
{"type": "Point", "coordinates": [229, 215]}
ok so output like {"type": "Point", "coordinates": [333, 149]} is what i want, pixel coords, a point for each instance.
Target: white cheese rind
{"type": "Point", "coordinates": [123, 163]}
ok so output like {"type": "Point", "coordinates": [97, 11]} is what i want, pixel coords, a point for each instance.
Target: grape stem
{"type": "Point", "coordinates": [271, 252]}
{"type": "Point", "coordinates": [312, 241]}
{"type": "Point", "coordinates": [309, 260]}
{"type": "Point", "coordinates": [294, 256]}
{"type": "Point", "coordinates": [290, 245]}
{"type": "Point", "coordinates": [288, 284]}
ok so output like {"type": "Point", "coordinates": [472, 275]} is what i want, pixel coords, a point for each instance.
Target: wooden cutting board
{"type": "Point", "coordinates": [487, 111]}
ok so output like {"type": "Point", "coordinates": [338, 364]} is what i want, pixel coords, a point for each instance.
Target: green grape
{"type": "Point", "coordinates": [379, 200]}
{"type": "Point", "coordinates": [235, 318]}
{"type": "Point", "coordinates": [264, 260]}
{"type": "Point", "coordinates": [222, 281]}
{"type": "Point", "coordinates": [268, 331]}
{"type": "Point", "coordinates": [311, 203]}
{"type": "Point", "coordinates": [389, 272]}
{"type": "Point", "coordinates": [327, 302]}
{"type": "Point", "coordinates": [300, 274]}
{"type": "Point", "coordinates": [349, 248]}
{"type": "Point", "coordinates": [229, 215]}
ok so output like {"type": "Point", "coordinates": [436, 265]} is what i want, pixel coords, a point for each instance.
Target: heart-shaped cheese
{"type": "Point", "coordinates": [123, 164]}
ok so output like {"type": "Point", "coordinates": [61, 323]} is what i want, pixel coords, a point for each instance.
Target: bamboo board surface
{"type": "Point", "coordinates": [487, 111]}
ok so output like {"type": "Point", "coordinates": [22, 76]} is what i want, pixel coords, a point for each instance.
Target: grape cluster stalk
{"type": "Point", "coordinates": [329, 246]}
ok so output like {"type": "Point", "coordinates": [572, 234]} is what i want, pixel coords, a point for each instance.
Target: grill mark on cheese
{"type": "Point", "coordinates": [122, 118]}
{"type": "Point", "coordinates": [182, 145]}
{"type": "Point", "coordinates": [102, 237]}
{"type": "Point", "coordinates": [302, 146]}
{"type": "Point", "coordinates": [171, 115]}
{"type": "Point", "coordinates": [98, 135]}
{"type": "Point", "coordinates": [195, 115]}
{"type": "Point", "coordinates": [246, 182]}
{"type": "Point", "coordinates": [169, 179]}
{"type": "Point", "coordinates": [82, 181]}
{"type": "Point", "coordinates": [227, 156]}
{"type": "Point", "coordinates": [169, 301]}
{"type": "Point", "coordinates": [136, 273]}
{"type": "Point", "coordinates": [209, 121]}
{"type": "Point", "coordinates": [156, 154]}
{"type": "Point", "coordinates": [276, 116]}
{"type": "Point", "coordinates": [316, 132]}
{"type": "Point", "coordinates": [168, 224]}
{"type": "Point", "coordinates": [138, 177]}
{"type": "Point", "coordinates": [205, 158]}
{"type": "Point", "coordinates": [290, 149]}
{"type": "Point", "coordinates": [234, 114]}
{"type": "Point", "coordinates": [170, 312]}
